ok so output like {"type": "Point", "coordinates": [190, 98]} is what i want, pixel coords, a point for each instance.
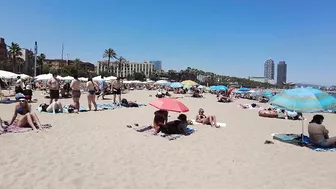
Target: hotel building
{"type": "Point", "coordinates": [126, 69]}
{"type": "Point", "coordinates": [59, 63]}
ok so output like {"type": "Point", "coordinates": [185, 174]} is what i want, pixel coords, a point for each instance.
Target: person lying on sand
{"type": "Point", "coordinates": [318, 134]}
{"type": "Point", "coordinates": [54, 107]}
{"type": "Point", "coordinates": [178, 126]}
{"type": "Point", "coordinates": [247, 106]}
{"type": "Point", "coordinates": [202, 118]}
{"type": "Point", "coordinates": [27, 118]}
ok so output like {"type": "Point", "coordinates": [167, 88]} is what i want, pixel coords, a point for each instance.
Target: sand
{"type": "Point", "coordinates": [97, 150]}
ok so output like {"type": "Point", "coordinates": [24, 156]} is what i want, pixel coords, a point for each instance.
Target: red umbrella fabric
{"type": "Point", "coordinates": [169, 104]}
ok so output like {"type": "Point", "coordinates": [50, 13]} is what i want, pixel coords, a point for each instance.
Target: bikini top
{"type": "Point", "coordinates": [20, 111]}
{"type": "Point", "coordinates": [202, 116]}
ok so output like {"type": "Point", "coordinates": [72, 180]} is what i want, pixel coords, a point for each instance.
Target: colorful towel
{"type": "Point", "coordinates": [14, 128]}
{"type": "Point", "coordinates": [149, 131]}
{"type": "Point", "coordinates": [218, 123]}
{"type": "Point", "coordinates": [296, 140]}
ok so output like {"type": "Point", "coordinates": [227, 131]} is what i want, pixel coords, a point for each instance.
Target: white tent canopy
{"type": "Point", "coordinates": [7, 75]}
{"type": "Point", "coordinates": [46, 77]}
{"type": "Point", "coordinates": [67, 78]}
{"type": "Point", "coordinates": [83, 79]}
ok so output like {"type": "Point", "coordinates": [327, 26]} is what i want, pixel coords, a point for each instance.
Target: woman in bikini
{"type": "Point", "coordinates": [202, 118]}
{"type": "Point", "coordinates": [92, 88]}
{"type": "Point", "coordinates": [76, 93]}
{"type": "Point", "coordinates": [318, 134]}
{"type": "Point", "coordinates": [26, 116]}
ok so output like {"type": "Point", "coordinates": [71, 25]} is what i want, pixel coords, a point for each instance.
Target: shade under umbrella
{"type": "Point", "coordinates": [169, 104]}
{"type": "Point", "coordinates": [304, 100]}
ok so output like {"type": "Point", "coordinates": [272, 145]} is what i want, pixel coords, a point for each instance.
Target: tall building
{"type": "Point", "coordinates": [3, 50]}
{"type": "Point", "coordinates": [27, 64]}
{"type": "Point", "coordinates": [128, 68]}
{"type": "Point", "coordinates": [157, 64]}
{"type": "Point", "coordinates": [281, 73]}
{"type": "Point", "coordinates": [269, 69]}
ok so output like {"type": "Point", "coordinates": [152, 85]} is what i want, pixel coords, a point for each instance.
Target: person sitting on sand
{"type": "Point", "coordinates": [28, 93]}
{"type": "Point", "coordinates": [27, 116]}
{"type": "Point", "coordinates": [202, 118]}
{"type": "Point", "coordinates": [318, 134]}
{"type": "Point", "coordinates": [178, 126]}
{"type": "Point", "coordinates": [163, 113]}
{"type": "Point", "coordinates": [294, 115]}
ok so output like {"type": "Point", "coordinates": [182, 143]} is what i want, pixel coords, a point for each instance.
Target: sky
{"type": "Point", "coordinates": [229, 37]}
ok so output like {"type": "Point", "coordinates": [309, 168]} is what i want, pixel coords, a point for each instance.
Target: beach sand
{"type": "Point", "coordinates": [97, 150]}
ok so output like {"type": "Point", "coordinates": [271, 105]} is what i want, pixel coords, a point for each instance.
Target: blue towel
{"type": "Point", "coordinates": [295, 139]}
{"type": "Point", "coordinates": [8, 101]}
{"type": "Point", "coordinates": [190, 130]}
{"type": "Point", "coordinates": [107, 106]}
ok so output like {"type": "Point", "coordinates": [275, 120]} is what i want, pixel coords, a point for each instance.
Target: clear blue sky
{"type": "Point", "coordinates": [230, 37]}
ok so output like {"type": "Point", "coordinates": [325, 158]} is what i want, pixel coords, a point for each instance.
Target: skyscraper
{"type": "Point", "coordinates": [269, 69]}
{"type": "Point", "coordinates": [157, 64]}
{"type": "Point", "coordinates": [281, 73]}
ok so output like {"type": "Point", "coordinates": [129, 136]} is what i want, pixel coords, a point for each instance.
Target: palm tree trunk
{"type": "Point", "coordinates": [14, 64]}
{"type": "Point", "coordinates": [108, 64]}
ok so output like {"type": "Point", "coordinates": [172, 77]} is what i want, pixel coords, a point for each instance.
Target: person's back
{"type": "Point", "coordinates": [317, 132]}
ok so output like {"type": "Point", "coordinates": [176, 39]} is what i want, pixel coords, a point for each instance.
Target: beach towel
{"type": "Point", "coordinates": [218, 123]}
{"type": "Point", "coordinates": [107, 106]}
{"type": "Point", "coordinates": [81, 109]}
{"type": "Point", "coordinates": [14, 128]}
{"type": "Point", "coordinates": [295, 139]}
{"type": "Point", "coordinates": [149, 131]}
{"type": "Point", "coordinates": [7, 101]}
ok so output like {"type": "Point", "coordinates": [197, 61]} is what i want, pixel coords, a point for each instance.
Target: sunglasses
{"type": "Point", "coordinates": [22, 100]}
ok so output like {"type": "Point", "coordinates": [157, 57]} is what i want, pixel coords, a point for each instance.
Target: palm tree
{"type": "Point", "coordinates": [14, 51]}
{"type": "Point", "coordinates": [40, 60]}
{"type": "Point", "coordinates": [76, 62]}
{"type": "Point", "coordinates": [109, 54]}
{"type": "Point", "coordinates": [122, 63]}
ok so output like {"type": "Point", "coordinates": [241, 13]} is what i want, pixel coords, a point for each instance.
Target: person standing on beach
{"type": "Point", "coordinates": [75, 90]}
{"type": "Point", "coordinates": [92, 88]}
{"type": "Point", "coordinates": [116, 88]}
{"type": "Point", "coordinates": [102, 87]}
{"type": "Point", "coordinates": [54, 86]}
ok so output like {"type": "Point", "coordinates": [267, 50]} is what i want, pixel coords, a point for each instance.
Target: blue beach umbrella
{"type": "Point", "coordinates": [176, 85]}
{"type": "Point", "coordinates": [220, 88]}
{"type": "Point", "coordinates": [212, 88]}
{"type": "Point", "coordinates": [304, 100]}
{"type": "Point", "coordinates": [244, 89]}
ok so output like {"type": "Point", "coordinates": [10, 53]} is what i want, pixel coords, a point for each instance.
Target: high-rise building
{"type": "Point", "coordinates": [27, 58]}
{"type": "Point", "coordinates": [157, 64]}
{"type": "Point", "coordinates": [269, 69]}
{"type": "Point", "coordinates": [3, 50]}
{"type": "Point", "coordinates": [281, 73]}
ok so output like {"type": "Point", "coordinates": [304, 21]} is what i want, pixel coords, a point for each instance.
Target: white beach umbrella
{"type": "Point", "coordinates": [110, 78]}
{"type": "Point", "coordinates": [68, 78]}
{"type": "Point", "coordinates": [24, 76]}
{"type": "Point", "coordinates": [127, 82]}
{"type": "Point", "coordinates": [161, 82]}
{"type": "Point", "coordinates": [97, 78]}
{"type": "Point", "coordinates": [7, 75]}
{"type": "Point", "coordinates": [83, 79]}
{"type": "Point", "coordinates": [46, 77]}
